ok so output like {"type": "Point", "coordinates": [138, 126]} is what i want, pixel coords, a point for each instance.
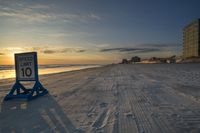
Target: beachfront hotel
{"type": "Point", "coordinates": [191, 39]}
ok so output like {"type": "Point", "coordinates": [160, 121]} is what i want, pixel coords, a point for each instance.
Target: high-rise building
{"type": "Point", "coordinates": [191, 39]}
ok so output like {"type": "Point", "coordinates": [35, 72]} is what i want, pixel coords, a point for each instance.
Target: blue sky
{"type": "Point", "coordinates": [95, 31]}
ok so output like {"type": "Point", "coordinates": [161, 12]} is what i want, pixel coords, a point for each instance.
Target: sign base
{"type": "Point", "coordinates": [19, 91]}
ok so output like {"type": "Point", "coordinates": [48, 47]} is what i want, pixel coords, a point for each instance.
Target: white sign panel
{"type": "Point", "coordinates": [25, 66]}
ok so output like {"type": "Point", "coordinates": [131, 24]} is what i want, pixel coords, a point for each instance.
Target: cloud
{"type": "Point", "coordinates": [68, 17]}
{"type": "Point", "coordinates": [157, 45]}
{"type": "Point", "coordinates": [44, 50]}
{"type": "Point", "coordinates": [39, 6]}
{"type": "Point", "coordinates": [104, 45]}
{"type": "Point", "coordinates": [65, 50]}
{"type": "Point", "coordinates": [81, 51]}
{"type": "Point", "coordinates": [26, 14]}
{"type": "Point", "coordinates": [33, 48]}
{"type": "Point", "coordinates": [144, 50]}
{"type": "Point", "coordinates": [49, 51]}
{"type": "Point", "coordinates": [93, 16]}
{"type": "Point", "coordinates": [43, 13]}
{"type": "Point", "coordinates": [138, 50]}
{"type": "Point", "coordinates": [62, 50]}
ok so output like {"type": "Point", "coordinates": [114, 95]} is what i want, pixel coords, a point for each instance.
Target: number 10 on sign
{"type": "Point", "coordinates": [26, 66]}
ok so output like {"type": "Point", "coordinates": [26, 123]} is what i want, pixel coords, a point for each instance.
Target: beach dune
{"type": "Point", "coordinates": [154, 98]}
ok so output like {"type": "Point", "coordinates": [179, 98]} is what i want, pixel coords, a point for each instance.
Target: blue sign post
{"type": "Point", "coordinates": [26, 68]}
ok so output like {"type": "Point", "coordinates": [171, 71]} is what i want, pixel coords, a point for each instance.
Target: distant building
{"type": "Point", "coordinates": [131, 61]}
{"type": "Point", "coordinates": [125, 61]}
{"type": "Point", "coordinates": [171, 59]}
{"type": "Point", "coordinates": [191, 39]}
{"type": "Point", "coordinates": [135, 59]}
{"type": "Point", "coordinates": [158, 60]}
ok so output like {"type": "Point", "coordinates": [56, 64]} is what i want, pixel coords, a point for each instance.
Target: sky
{"type": "Point", "coordinates": [93, 31]}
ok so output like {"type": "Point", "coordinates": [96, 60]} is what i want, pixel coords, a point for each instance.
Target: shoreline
{"type": "Point", "coordinates": [96, 66]}
{"type": "Point", "coordinates": [149, 64]}
{"type": "Point", "coordinates": [44, 71]}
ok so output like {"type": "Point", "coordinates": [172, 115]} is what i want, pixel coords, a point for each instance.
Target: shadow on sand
{"type": "Point", "coordinates": [40, 115]}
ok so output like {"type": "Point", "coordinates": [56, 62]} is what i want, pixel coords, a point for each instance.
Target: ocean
{"type": "Point", "coordinates": [8, 71]}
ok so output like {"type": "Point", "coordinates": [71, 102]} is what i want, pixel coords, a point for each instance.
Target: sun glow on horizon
{"type": "Point", "coordinates": [54, 55]}
{"type": "Point", "coordinates": [7, 55]}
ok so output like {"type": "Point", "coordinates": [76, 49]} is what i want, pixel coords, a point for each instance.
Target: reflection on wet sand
{"type": "Point", "coordinates": [11, 73]}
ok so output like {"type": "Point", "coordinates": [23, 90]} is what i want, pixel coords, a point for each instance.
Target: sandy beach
{"type": "Point", "coordinates": [154, 98]}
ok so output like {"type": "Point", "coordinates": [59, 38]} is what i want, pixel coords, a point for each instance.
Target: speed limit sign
{"type": "Point", "coordinates": [26, 66]}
